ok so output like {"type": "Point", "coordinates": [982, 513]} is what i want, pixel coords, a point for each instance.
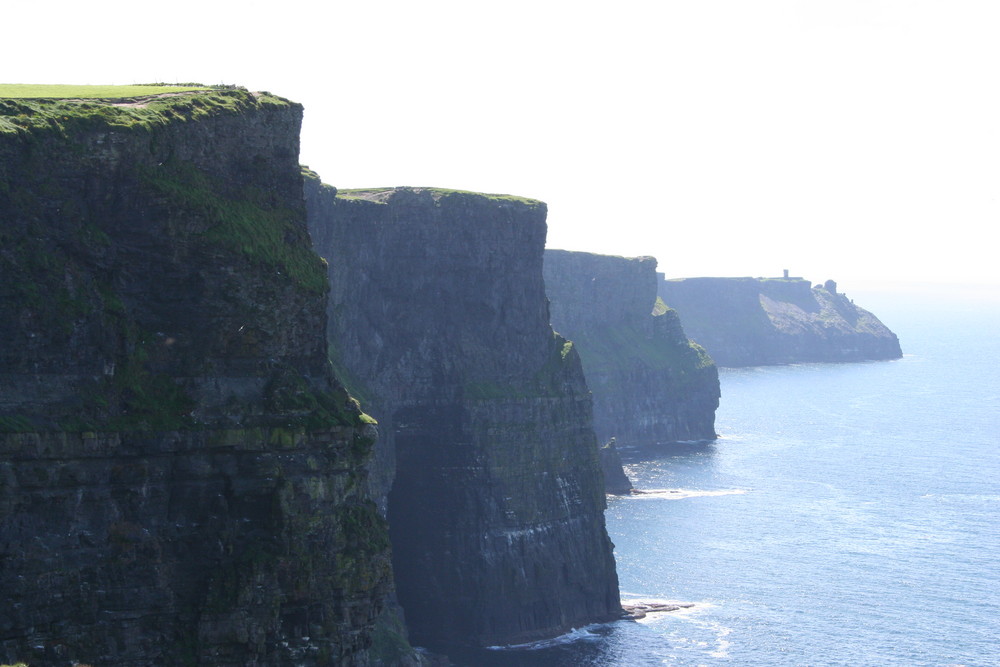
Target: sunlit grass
{"type": "Point", "coordinates": [73, 114]}
{"type": "Point", "coordinates": [61, 91]}
{"type": "Point", "coordinates": [437, 193]}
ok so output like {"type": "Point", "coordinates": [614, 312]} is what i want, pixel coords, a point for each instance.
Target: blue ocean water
{"type": "Point", "coordinates": [848, 515]}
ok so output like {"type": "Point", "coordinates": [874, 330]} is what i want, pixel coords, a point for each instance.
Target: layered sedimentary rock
{"type": "Point", "coordinates": [762, 321]}
{"type": "Point", "coordinates": [650, 383]}
{"type": "Point", "coordinates": [182, 478]}
{"type": "Point", "coordinates": [496, 507]}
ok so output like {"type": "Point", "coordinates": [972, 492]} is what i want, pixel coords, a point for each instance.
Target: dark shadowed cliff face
{"type": "Point", "coordinates": [496, 512]}
{"type": "Point", "coordinates": [650, 383]}
{"type": "Point", "coordinates": [758, 321]}
{"type": "Point", "coordinates": [181, 476]}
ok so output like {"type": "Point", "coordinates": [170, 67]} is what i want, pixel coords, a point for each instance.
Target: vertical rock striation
{"type": "Point", "coordinates": [182, 478]}
{"type": "Point", "coordinates": [650, 383]}
{"type": "Point", "coordinates": [763, 321]}
{"type": "Point", "coordinates": [438, 313]}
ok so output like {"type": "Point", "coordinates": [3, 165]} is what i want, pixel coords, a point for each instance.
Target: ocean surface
{"type": "Point", "coordinates": [849, 514]}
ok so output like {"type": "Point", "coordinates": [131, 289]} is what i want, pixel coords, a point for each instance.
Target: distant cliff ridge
{"type": "Point", "coordinates": [650, 383]}
{"type": "Point", "coordinates": [438, 313]}
{"type": "Point", "coordinates": [761, 321]}
{"type": "Point", "coordinates": [182, 478]}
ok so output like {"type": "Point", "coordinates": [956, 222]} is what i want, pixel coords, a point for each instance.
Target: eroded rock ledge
{"type": "Point", "coordinates": [639, 610]}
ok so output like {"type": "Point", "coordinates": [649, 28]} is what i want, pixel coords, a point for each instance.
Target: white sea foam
{"type": "Point", "coordinates": [574, 635]}
{"type": "Point", "coordinates": [703, 635]}
{"type": "Point", "coordinates": [963, 497]}
{"type": "Point", "coordinates": [678, 494]}
{"type": "Point", "coordinates": [721, 643]}
{"type": "Point", "coordinates": [715, 644]}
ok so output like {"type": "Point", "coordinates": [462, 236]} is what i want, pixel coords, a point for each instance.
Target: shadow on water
{"type": "Point", "coordinates": [667, 450]}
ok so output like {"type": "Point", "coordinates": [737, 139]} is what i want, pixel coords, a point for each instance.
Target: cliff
{"type": "Point", "coordinates": [761, 321]}
{"type": "Point", "coordinates": [496, 505]}
{"type": "Point", "coordinates": [183, 477]}
{"type": "Point", "coordinates": [650, 383]}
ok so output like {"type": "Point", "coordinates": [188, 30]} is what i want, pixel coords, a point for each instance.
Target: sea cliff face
{"type": "Point", "coordinates": [650, 383]}
{"type": "Point", "coordinates": [496, 504]}
{"type": "Point", "coordinates": [183, 477]}
{"type": "Point", "coordinates": [758, 321]}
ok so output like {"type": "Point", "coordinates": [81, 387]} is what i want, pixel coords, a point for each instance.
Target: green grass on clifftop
{"type": "Point", "coordinates": [118, 107]}
{"type": "Point", "coordinates": [62, 91]}
{"type": "Point", "coordinates": [377, 194]}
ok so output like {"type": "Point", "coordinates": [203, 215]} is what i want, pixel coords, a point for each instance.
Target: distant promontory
{"type": "Point", "coordinates": [766, 321]}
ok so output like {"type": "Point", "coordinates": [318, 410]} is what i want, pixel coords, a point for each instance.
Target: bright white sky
{"type": "Point", "coordinates": [849, 139]}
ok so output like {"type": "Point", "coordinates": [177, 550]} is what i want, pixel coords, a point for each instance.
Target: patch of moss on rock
{"type": "Point", "coordinates": [243, 221]}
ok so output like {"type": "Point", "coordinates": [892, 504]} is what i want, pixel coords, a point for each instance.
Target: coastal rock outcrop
{"type": "Point", "coordinates": [650, 383]}
{"type": "Point", "coordinates": [182, 477]}
{"type": "Point", "coordinates": [763, 321]}
{"type": "Point", "coordinates": [439, 319]}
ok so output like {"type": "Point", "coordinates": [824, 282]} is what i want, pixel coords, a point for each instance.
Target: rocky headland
{"type": "Point", "coordinates": [764, 321]}
{"type": "Point", "coordinates": [650, 383]}
{"type": "Point", "coordinates": [182, 476]}
{"type": "Point", "coordinates": [488, 467]}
